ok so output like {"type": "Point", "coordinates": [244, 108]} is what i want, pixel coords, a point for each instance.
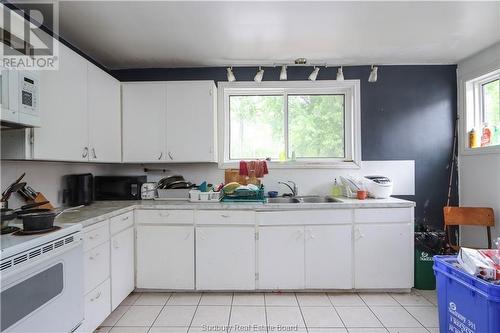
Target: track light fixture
{"type": "Point", "coordinates": [283, 75]}
{"type": "Point", "coordinates": [373, 74]}
{"type": "Point", "coordinates": [314, 74]}
{"type": "Point", "coordinates": [260, 74]}
{"type": "Point", "coordinates": [230, 75]}
{"type": "Point", "coordinates": [340, 74]}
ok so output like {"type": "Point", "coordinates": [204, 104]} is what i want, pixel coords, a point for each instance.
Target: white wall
{"type": "Point", "coordinates": [47, 177]}
{"type": "Point", "coordinates": [479, 174]}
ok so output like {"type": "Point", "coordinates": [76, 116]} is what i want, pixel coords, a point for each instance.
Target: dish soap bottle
{"type": "Point", "coordinates": [336, 189]}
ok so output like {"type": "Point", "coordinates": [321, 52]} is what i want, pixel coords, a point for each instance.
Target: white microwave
{"type": "Point", "coordinates": [19, 99]}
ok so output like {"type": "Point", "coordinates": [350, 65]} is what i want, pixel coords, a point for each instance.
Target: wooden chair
{"type": "Point", "coordinates": [473, 216]}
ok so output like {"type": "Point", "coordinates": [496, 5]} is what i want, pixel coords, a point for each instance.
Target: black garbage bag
{"type": "Point", "coordinates": [432, 242]}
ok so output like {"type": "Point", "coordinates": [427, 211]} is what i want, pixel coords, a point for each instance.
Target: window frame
{"type": "Point", "coordinates": [352, 118]}
{"type": "Point", "coordinates": [473, 113]}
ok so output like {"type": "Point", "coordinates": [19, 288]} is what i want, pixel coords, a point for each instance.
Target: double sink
{"type": "Point", "coordinates": [302, 199]}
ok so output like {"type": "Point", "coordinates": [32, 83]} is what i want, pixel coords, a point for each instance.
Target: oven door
{"type": "Point", "coordinates": [44, 295]}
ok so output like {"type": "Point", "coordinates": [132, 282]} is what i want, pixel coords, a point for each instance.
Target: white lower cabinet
{"type": "Point", "coordinates": [281, 257]}
{"type": "Point", "coordinates": [122, 266]}
{"type": "Point", "coordinates": [165, 257]}
{"type": "Point", "coordinates": [328, 257]}
{"type": "Point", "coordinates": [225, 258]}
{"type": "Point", "coordinates": [96, 264]}
{"type": "Point", "coordinates": [97, 305]}
{"type": "Point", "coordinates": [383, 255]}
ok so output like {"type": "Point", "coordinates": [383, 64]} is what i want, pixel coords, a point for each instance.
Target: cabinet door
{"type": "Point", "coordinates": [383, 256]}
{"type": "Point", "coordinates": [191, 121]}
{"type": "Point", "coordinates": [104, 116]}
{"type": "Point", "coordinates": [225, 258]}
{"type": "Point", "coordinates": [328, 257]}
{"type": "Point", "coordinates": [144, 122]}
{"type": "Point", "coordinates": [63, 134]}
{"type": "Point", "coordinates": [122, 266]}
{"type": "Point", "coordinates": [281, 257]}
{"type": "Point", "coordinates": [165, 257]}
{"type": "Point", "coordinates": [97, 307]}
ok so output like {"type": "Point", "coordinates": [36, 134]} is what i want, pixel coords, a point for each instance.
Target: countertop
{"type": "Point", "coordinates": [102, 210]}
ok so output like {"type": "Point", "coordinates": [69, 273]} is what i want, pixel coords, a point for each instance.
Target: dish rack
{"type": "Point", "coordinates": [348, 193]}
{"type": "Point", "coordinates": [198, 196]}
{"type": "Point", "coordinates": [245, 196]}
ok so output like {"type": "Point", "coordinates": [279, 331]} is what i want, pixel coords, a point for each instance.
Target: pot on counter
{"type": "Point", "coordinates": [42, 220]}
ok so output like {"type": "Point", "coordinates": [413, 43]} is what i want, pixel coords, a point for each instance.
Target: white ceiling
{"type": "Point", "coordinates": [140, 34]}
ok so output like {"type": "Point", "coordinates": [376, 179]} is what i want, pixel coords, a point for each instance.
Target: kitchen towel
{"type": "Point", "coordinates": [259, 167]}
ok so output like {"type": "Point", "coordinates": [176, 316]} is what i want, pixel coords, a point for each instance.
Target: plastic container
{"type": "Point", "coordinates": [424, 274]}
{"type": "Point", "coordinates": [466, 303]}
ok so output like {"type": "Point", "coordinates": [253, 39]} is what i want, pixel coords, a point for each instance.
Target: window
{"type": "Point", "coordinates": [483, 112]}
{"type": "Point", "coordinates": [295, 123]}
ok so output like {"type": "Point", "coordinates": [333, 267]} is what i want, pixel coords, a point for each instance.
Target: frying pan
{"type": "Point", "coordinates": [165, 182]}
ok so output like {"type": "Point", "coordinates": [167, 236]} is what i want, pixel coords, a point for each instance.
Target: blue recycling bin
{"type": "Point", "coordinates": [466, 304]}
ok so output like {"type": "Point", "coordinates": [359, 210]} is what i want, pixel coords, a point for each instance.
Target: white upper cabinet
{"type": "Point", "coordinates": [80, 112]}
{"type": "Point", "coordinates": [63, 107]}
{"type": "Point", "coordinates": [104, 116]}
{"type": "Point", "coordinates": [191, 110]}
{"type": "Point", "coordinates": [144, 121]}
{"type": "Point", "coordinates": [169, 121]}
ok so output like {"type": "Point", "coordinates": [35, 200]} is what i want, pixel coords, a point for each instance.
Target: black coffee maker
{"type": "Point", "coordinates": [79, 189]}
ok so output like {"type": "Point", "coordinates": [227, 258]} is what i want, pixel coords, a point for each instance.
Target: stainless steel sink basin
{"type": "Point", "coordinates": [302, 199]}
{"type": "Point", "coordinates": [283, 200]}
{"type": "Point", "coordinates": [317, 199]}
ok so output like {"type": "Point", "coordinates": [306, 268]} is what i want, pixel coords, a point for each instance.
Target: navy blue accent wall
{"type": "Point", "coordinates": [409, 114]}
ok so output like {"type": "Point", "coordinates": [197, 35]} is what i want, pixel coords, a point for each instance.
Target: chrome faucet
{"type": "Point", "coordinates": [294, 188]}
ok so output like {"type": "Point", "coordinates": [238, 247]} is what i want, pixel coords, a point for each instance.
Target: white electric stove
{"type": "Point", "coordinates": [42, 281]}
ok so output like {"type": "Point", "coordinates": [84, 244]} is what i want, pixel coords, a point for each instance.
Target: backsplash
{"type": "Point", "coordinates": [47, 177]}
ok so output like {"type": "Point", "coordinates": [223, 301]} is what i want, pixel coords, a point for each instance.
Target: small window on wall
{"type": "Point", "coordinates": [483, 113]}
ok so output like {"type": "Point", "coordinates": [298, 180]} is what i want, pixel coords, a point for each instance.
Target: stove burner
{"type": "Point", "coordinates": [9, 230]}
{"type": "Point", "coordinates": [35, 232]}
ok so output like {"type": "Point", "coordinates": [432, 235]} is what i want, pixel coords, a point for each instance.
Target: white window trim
{"type": "Point", "coordinates": [469, 99]}
{"type": "Point", "coordinates": [351, 88]}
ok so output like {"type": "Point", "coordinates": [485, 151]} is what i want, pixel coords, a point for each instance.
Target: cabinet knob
{"type": "Point", "coordinates": [170, 155]}
{"type": "Point", "coordinates": [224, 215]}
{"type": "Point", "coordinates": [161, 155]}
{"type": "Point", "coordinates": [94, 256]}
{"type": "Point", "coordinates": [125, 218]}
{"type": "Point", "coordinates": [85, 152]}
{"type": "Point", "coordinates": [96, 297]}
{"type": "Point", "coordinates": [93, 153]}
{"type": "Point", "coordinates": [299, 234]}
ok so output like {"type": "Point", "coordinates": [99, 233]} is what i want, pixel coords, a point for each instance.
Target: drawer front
{"type": "Point", "coordinates": [304, 217]}
{"type": "Point", "coordinates": [97, 235]}
{"type": "Point", "coordinates": [159, 216]}
{"type": "Point", "coordinates": [383, 215]}
{"type": "Point", "coordinates": [97, 307]}
{"type": "Point", "coordinates": [96, 266]}
{"type": "Point", "coordinates": [121, 222]}
{"type": "Point", "coordinates": [225, 217]}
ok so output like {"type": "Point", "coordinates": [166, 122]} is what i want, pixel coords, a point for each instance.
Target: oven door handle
{"type": "Point", "coordinates": [24, 267]}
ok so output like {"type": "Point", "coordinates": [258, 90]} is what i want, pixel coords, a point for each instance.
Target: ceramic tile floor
{"type": "Point", "coordinates": [414, 312]}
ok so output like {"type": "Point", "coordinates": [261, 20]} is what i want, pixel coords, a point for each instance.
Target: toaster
{"type": "Point", "coordinates": [379, 187]}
